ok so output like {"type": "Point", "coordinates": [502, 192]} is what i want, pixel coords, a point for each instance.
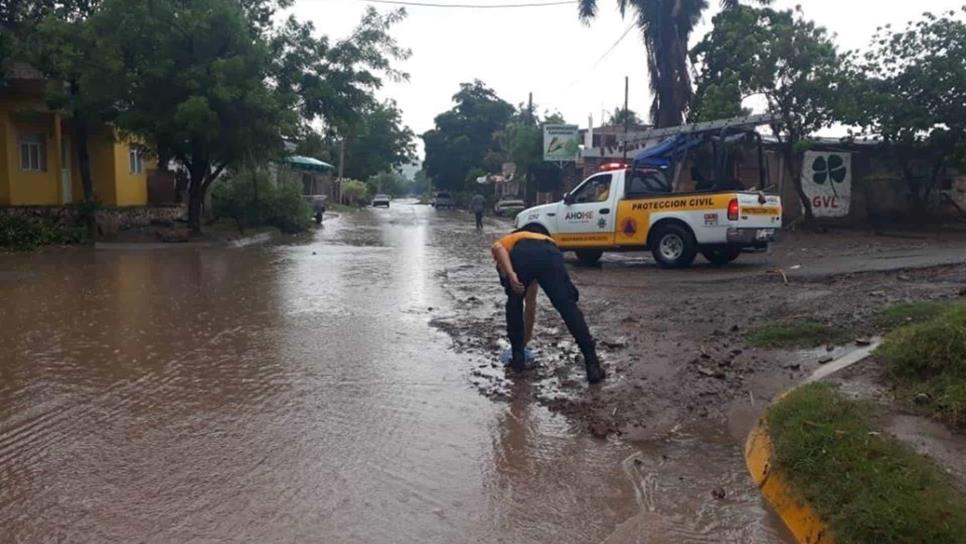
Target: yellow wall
{"type": "Point", "coordinates": [114, 184]}
{"type": "Point", "coordinates": [132, 189]}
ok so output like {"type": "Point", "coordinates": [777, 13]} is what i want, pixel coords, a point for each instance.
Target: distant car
{"type": "Point", "coordinates": [380, 200]}
{"type": "Point", "coordinates": [509, 206]}
{"type": "Point", "coordinates": [442, 200]}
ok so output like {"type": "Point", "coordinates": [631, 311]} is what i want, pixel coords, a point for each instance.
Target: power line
{"type": "Point", "coordinates": [600, 59]}
{"type": "Point", "coordinates": [471, 6]}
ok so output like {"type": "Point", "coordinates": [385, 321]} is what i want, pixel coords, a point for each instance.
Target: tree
{"type": "Point", "coordinates": [789, 61]}
{"type": "Point", "coordinates": [355, 191]}
{"type": "Point", "coordinates": [379, 142]}
{"type": "Point", "coordinates": [391, 183]}
{"type": "Point", "coordinates": [218, 86]}
{"type": "Point", "coordinates": [620, 115]}
{"type": "Point", "coordinates": [910, 90]}
{"type": "Point", "coordinates": [463, 136]}
{"type": "Point", "coordinates": [61, 46]}
{"type": "Point", "coordinates": [666, 26]}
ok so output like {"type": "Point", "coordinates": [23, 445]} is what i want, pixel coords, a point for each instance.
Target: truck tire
{"type": "Point", "coordinates": [673, 246]}
{"type": "Point", "coordinates": [720, 256]}
{"type": "Point", "coordinates": [589, 257]}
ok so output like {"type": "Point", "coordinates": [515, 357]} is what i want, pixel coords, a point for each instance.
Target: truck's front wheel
{"type": "Point", "coordinates": [720, 256]}
{"type": "Point", "coordinates": [589, 257]}
{"type": "Point", "coordinates": [673, 246]}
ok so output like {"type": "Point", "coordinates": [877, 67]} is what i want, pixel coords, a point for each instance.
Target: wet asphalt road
{"type": "Point", "coordinates": [289, 393]}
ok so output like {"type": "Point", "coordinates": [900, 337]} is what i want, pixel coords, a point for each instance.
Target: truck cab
{"type": "Point", "coordinates": [634, 207]}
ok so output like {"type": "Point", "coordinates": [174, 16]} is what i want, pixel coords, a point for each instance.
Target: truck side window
{"type": "Point", "coordinates": [647, 183]}
{"type": "Point", "coordinates": [596, 189]}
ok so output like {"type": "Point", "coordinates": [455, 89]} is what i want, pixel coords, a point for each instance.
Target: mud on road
{"type": "Point", "coordinates": [674, 341]}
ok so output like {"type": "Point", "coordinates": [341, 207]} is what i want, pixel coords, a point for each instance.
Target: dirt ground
{"type": "Point", "coordinates": [674, 342]}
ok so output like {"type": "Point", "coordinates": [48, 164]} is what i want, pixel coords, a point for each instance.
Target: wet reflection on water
{"type": "Point", "coordinates": [278, 394]}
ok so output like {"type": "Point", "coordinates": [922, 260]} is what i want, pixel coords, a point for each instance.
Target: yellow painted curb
{"type": "Point", "coordinates": [800, 518]}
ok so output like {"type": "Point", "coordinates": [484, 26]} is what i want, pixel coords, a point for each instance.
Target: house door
{"type": "Point", "coordinates": [66, 189]}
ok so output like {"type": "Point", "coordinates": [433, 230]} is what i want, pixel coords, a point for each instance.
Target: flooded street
{"type": "Point", "coordinates": [300, 393]}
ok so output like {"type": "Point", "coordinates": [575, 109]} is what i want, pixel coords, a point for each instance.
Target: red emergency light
{"type": "Point", "coordinates": [607, 167]}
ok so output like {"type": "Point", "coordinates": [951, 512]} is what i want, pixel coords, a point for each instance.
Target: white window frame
{"type": "Point", "coordinates": [33, 152]}
{"type": "Point", "coordinates": [135, 160]}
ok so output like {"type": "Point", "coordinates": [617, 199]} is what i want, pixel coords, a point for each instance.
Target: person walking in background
{"type": "Point", "coordinates": [477, 205]}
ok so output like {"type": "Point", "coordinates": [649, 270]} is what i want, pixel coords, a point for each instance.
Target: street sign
{"type": "Point", "coordinates": [560, 143]}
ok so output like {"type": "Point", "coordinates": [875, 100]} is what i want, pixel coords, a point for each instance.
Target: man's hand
{"type": "Point", "coordinates": [515, 284]}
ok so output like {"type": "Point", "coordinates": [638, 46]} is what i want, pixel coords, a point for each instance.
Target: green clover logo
{"type": "Point", "coordinates": [834, 168]}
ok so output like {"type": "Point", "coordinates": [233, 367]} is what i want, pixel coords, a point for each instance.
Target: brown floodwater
{"type": "Point", "coordinates": [298, 393]}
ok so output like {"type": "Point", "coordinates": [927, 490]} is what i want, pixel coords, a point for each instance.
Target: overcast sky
{"type": "Point", "coordinates": [549, 52]}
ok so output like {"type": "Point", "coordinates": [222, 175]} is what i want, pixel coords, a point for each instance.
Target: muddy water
{"type": "Point", "coordinates": [292, 393]}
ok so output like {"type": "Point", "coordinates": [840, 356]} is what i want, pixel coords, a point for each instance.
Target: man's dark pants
{"type": "Point", "coordinates": [541, 261]}
{"type": "Point", "coordinates": [479, 219]}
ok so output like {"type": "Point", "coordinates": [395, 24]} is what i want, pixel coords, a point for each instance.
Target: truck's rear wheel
{"type": "Point", "coordinates": [589, 257]}
{"type": "Point", "coordinates": [720, 255]}
{"type": "Point", "coordinates": [673, 246]}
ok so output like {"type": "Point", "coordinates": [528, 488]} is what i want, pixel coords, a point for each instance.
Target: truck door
{"type": "Point", "coordinates": [587, 220]}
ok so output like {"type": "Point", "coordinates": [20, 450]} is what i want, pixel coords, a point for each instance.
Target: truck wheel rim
{"type": "Point", "coordinates": [672, 247]}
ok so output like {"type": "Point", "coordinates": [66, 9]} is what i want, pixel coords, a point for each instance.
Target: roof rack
{"type": "Point", "coordinates": [743, 122]}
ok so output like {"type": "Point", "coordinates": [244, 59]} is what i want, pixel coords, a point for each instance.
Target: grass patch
{"type": "Point", "coordinates": [907, 313]}
{"type": "Point", "coordinates": [796, 334]}
{"type": "Point", "coordinates": [340, 208]}
{"type": "Point", "coordinates": [868, 487]}
{"type": "Point", "coordinates": [927, 364]}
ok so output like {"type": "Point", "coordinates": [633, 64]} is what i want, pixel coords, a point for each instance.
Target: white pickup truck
{"type": "Point", "coordinates": [629, 209]}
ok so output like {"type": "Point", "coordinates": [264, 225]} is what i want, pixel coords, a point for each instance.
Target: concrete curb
{"type": "Point", "coordinates": [802, 520]}
{"type": "Point", "coordinates": [260, 238]}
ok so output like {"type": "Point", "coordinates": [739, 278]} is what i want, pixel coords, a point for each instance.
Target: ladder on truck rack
{"type": "Point", "coordinates": [745, 122]}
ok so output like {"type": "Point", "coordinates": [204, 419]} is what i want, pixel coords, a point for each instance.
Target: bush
{"type": "Point", "coordinates": [927, 363]}
{"type": "Point", "coordinates": [909, 312]}
{"type": "Point", "coordinates": [281, 206]}
{"type": "Point", "coordinates": [355, 192]}
{"type": "Point", "coordinates": [22, 234]}
{"type": "Point", "coordinates": [866, 485]}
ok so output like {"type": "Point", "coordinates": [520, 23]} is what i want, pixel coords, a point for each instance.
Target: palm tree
{"type": "Point", "coordinates": [667, 27]}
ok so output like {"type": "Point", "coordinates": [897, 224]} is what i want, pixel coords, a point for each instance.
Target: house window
{"type": "Point", "coordinates": [33, 152]}
{"type": "Point", "coordinates": [135, 160]}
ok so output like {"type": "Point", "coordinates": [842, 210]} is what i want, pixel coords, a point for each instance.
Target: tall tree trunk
{"type": "Point", "coordinates": [196, 195]}
{"type": "Point", "coordinates": [81, 139]}
{"type": "Point", "coordinates": [794, 170]}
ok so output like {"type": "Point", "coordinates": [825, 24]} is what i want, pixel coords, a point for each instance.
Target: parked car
{"type": "Point", "coordinates": [443, 200]}
{"type": "Point", "coordinates": [509, 206]}
{"type": "Point", "coordinates": [380, 200]}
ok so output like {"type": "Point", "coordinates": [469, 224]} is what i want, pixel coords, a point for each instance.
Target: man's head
{"type": "Point", "coordinates": [535, 228]}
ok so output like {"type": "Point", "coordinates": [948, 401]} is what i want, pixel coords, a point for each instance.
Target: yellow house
{"type": "Point", "coordinates": [38, 160]}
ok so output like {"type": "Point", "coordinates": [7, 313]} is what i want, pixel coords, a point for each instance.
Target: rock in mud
{"type": "Point", "coordinates": [718, 493]}
{"type": "Point", "coordinates": [599, 429]}
{"type": "Point", "coordinates": [922, 398]}
{"type": "Point", "coordinates": [825, 360]}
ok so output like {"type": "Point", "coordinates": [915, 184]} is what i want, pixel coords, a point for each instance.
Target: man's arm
{"type": "Point", "coordinates": [502, 257]}
{"type": "Point", "coordinates": [530, 312]}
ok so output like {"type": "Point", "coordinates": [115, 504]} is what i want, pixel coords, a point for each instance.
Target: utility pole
{"type": "Point", "coordinates": [627, 117]}
{"type": "Point", "coordinates": [530, 108]}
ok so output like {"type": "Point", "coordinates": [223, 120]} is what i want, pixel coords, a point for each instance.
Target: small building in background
{"type": "Point", "coordinates": [38, 155]}
{"type": "Point", "coordinates": [314, 177]}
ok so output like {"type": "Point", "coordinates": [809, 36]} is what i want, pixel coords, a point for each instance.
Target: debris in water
{"type": "Point", "coordinates": [863, 342]}
{"type": "Point", "coordinates": [825, 360]}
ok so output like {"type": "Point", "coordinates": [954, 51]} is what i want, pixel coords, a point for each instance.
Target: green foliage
{"type": "Point", "coordinates": [910, 90]}
{"type": "Point", "coordinates": [281, 206]}
{"type": "Point", "coordinates": [866, 485]}
{"type": "Point", "coordinates": [908, 313]}
{"type": "Point", "coordinates": [379, 142]}
{"type": "Point", "coordinates": [780, 56]}
{"type": "Point", "coordinates": [356, 192]}
{"type": "Point", "coordinates": [619, 115]}
{"type": "Point", "coordinates": [390, 183]}
{"type": "Point", "coordinates": [930, 358]}
{"type": "Point", "coordinates": [463, 136]}
{"type": "Point", "coordinates": [22, 234]}
{"type": "Point", "coordinates": [217, 84]}
{"type": "Point", "coordinates": [796, 334]}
